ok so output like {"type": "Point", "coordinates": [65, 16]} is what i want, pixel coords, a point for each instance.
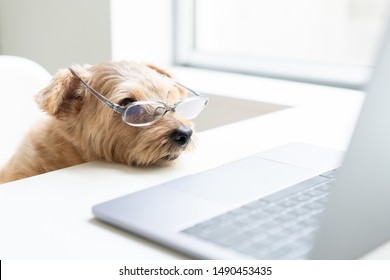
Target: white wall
{"type": "Point", "coordinates": [142, 30]}
{"type": "Point", "coordinates": [56, 33]}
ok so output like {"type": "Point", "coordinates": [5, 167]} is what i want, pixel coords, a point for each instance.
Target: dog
{"type": "Point", "coordinates": [79, 128]}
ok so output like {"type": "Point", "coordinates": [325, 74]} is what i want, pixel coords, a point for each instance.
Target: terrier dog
{"type": "Point", "coordinates": [123, 112]}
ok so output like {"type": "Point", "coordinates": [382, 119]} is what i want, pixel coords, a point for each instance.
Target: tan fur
{"type": "Point", "coordinates": [79, 128]}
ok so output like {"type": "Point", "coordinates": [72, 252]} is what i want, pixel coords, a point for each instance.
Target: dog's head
{"type": "Point", "coordinates": [97, 131]}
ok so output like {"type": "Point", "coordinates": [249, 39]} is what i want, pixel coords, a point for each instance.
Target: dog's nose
{"type": "Point", "coordinates": [182, 135]}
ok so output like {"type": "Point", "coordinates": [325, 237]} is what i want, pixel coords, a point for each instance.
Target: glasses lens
{"type": "Point", "coordinates": [190, 108]}
{"type": "Point", "coordinates": [140, 114]}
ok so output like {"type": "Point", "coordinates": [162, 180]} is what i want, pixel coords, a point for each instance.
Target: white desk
{"type": "Point", "coordinates": [49, 216]}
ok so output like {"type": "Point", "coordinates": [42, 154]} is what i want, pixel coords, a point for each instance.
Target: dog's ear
{"type": "Point", "coordinates": [182, 92]}
{"type": "Point", "coordinates": [62, 97]}
{"type": "Point", "coordinates": [159, 70]}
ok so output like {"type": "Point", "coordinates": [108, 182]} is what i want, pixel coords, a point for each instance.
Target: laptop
{"type": "Point", "coordinates": [319, 210]}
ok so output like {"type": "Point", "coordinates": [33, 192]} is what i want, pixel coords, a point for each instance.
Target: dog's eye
{"type": "Point", "coordinates": [126, 101]}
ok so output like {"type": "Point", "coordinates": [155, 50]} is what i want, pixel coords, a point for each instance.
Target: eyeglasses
{"type": "Point", "coordinates": [143, 113]}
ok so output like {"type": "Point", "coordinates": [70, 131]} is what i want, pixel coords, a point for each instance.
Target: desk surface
{"type": "Point", "coordinates": [49, 216]}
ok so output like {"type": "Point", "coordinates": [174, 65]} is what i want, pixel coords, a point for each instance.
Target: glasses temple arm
{"type": "Point", "coordinates": [191, 90]}
{"type": "Point", "coordinates": [104, 100]}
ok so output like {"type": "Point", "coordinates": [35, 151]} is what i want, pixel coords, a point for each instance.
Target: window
{"type": "Point", "coordinates": [322, 41]}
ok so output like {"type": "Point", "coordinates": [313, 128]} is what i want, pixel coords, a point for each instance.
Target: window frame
{"type": "Point", "coordinates": [185, 54]}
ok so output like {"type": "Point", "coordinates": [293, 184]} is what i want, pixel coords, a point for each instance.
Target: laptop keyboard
{"type": "Point", "coordinates": [278, 226]}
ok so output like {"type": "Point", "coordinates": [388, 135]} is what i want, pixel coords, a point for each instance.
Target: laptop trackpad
{"type": "Point", "coordinates": [241, 181]}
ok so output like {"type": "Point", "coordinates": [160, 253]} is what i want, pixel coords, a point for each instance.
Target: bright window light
{"type": "Point", "coordinates": [324, 41]}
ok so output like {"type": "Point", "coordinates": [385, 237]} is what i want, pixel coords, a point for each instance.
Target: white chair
{"type": "Point", "coordinates": [20, 80]}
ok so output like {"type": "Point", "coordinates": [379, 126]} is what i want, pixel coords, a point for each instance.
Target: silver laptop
{"type": "Point", "coordinates": [320, 210]}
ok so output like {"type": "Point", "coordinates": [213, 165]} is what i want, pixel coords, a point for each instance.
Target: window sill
{"type": "Point", "coordinates": [283, 92]}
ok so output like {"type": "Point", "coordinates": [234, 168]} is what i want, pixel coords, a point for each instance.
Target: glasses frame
{"type": "Point", "coordinates": [122, 109]}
